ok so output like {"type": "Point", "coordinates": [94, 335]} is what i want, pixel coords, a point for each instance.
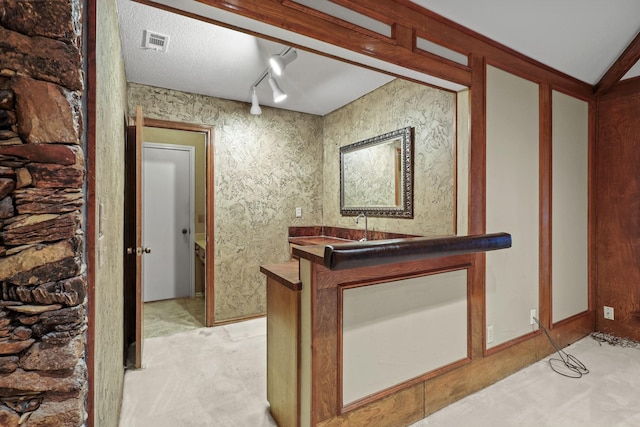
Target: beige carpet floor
{"type": "Point", "coordinates": [170, 316]}
{"type": "Point", "coordinates": [216, 378]}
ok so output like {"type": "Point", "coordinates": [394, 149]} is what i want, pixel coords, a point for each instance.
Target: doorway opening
{"type": "Point", "coordinates": [195, 308]}
{"type": "Point", "coordinates": [200, 137]}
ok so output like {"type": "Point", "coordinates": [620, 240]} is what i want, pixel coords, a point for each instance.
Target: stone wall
{"type": "Point", "coordinates": [42, 305]}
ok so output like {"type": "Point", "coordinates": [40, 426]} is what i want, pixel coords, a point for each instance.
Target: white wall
{"type": "Point", "coordinates": [512, 187]}
{"type": "Point", "coordinates": [570, 201]}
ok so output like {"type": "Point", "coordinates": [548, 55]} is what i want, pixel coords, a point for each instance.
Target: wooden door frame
{"type": "Point", "coordinates": [209, 199]}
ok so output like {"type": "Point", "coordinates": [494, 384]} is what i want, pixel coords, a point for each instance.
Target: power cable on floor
{"type": "Point", "coordinates": [615, 341]}
{"type": "Point", "coordinates": [568, 366]}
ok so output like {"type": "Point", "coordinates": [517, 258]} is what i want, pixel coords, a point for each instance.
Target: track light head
{"type": "Point", "coordinates": [278, 94]}
{"type": "Point", "coordinates": [279, 62]}
{"type": "Point", "coordinates": [255, 105]}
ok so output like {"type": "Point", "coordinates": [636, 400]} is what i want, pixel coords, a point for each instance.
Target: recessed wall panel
{"type": "Point", "coordinates": [396, 331]}
{"type": "Point", "coordinates": [512, 203]}
{"type": "Point", "coordinates": [570, 194]}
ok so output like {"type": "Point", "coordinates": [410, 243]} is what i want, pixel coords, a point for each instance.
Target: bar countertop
{"type": "Point", "coordinates": [285, 273]}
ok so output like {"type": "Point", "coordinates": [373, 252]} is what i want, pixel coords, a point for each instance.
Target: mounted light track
{"type": "Point", "coordinates": [277, 65]}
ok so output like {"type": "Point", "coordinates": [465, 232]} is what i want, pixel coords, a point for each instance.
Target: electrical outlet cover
{"type": "Point", "coordinates": [608, 312]}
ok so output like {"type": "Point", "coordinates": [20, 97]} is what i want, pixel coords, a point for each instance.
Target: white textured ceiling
{"type": "Point", "coordinates": [210, 60]}
{"type": "Point", "coordinates": [581, 38]}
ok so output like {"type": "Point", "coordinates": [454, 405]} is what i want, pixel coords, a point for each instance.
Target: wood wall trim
{"type": "Point", "coordinates": [592, 240]}
{"type": "Point", "coordinates": [329, 18]}
{"type": "Point", "coordinates": [403, 12]}
{"type": "Point", "coordinates": [620, 67]}
{"type": "Point", "coordinates": [90, 232]}
{"type": "Point", "coordinates": [295, 20]}
{"type": "Point", "coordinates": [546, 193]}
{"type": "Point", "coordinates": [627, 87]}
{"type": "Point", "coordinates": [210, 207]}
{"type": "Point", "coordinates": [452, 386]}
{"type": "Point", "coordinates": [477, 202]}
{"type": "Point", "coordinates": [453, 34]}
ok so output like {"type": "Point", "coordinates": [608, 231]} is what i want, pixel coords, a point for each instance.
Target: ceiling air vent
{"type": "Point", "coordinates": [155, 41]}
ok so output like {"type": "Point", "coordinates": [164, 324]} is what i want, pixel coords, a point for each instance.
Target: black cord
{"type": "Point", "coordinates": [573, 368]}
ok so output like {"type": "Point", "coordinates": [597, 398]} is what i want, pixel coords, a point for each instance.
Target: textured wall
{"type": "Point", "coordinates": [393, 106]}
{"type": "Point", "coordinates": [109, 170]}
{"type": "Point", "coordinates": [265, 167]}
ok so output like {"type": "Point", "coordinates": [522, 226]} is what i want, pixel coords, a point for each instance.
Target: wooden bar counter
{"type": "Point", "coordinates": [334, 352]}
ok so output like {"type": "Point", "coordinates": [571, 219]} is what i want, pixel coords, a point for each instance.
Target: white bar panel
{"type": "Point", "coordinates": [396, 331]}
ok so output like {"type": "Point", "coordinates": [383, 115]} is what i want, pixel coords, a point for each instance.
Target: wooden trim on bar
{"type": "Point", "coordinates": [413, 381]}
{"type": "Point", "coordinates": [402, 408]}
{"type": "Point", "coordinates": [326, 312]}
{"type": "Point", "coordinates": [404, 385]}
{"type": "Point", "coordinates": [373, 253]}
{"type": "Point", "coordinates": [623, 64]}
{"type": "Point", "coordinates": [209, 208]}
{"type": "Point", "coordinates": [324, 348]}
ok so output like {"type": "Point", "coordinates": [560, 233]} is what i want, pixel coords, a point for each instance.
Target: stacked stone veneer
{"type": "Point", "coordinates": [42, 302]}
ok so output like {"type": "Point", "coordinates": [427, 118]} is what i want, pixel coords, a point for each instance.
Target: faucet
{"type": "Point", "coordinates": [366, 226]}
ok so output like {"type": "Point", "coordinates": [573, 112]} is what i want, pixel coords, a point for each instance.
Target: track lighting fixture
{"type": "Point", "coordinates": [279, 62]}
{"type": "Point", "coordinates": [278, 94]}
{"type": "Point", "coordinates": [255, 106]}
{"type": "Point", "coordinates": [277, 66]}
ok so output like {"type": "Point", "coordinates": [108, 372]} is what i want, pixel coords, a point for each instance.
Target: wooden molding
{"type": "Point", "coordinates": [623, 64]}
{"type": "Point", "coordinates": [627, 87]}
{"type": "Point", "coordinates": [334, 32]}
{"type": "Point", "coordinates": [546, 192]}
{"type": "Point", "coordinates": [90, 232]}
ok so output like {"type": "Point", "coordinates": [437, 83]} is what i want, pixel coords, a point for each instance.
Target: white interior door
{"type": "Point", "coordinates": [168, 194]}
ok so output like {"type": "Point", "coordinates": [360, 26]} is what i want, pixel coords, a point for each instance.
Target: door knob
{"type": "Point", "coordinates": [184, 231]}
{"type": "Point", "coordinates": [130, 251]}
{"type": "Point", "coordinates": [147, 250]}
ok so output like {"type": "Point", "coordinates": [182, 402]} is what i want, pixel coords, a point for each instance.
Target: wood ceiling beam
{"type": "Point", "coordinates": [623, 64]}
{"type": "Point", "coordinates": [323, 27]}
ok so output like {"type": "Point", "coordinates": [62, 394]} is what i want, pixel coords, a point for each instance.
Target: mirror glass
{"type": "Point", "coordinates": [376, 176]}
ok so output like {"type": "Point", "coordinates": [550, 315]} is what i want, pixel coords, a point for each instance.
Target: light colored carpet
{"type": "Point", "coordinates": [216, 378]}
{"type": "Point", "coordinates": [168, 317]}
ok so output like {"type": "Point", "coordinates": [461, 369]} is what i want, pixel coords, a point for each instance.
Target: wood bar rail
{"type": "Point", "coordinates": [371, 253]}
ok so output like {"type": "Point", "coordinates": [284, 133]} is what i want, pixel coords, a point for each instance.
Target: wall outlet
{"type": "Point", "coordinates": [533, 315]}
{"type": "Point", "coordinates": [298, 212]}
{"type": "Point", "coordinates": [608, 312]}
{"type": "Point", "coordinates": [489, 334]}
